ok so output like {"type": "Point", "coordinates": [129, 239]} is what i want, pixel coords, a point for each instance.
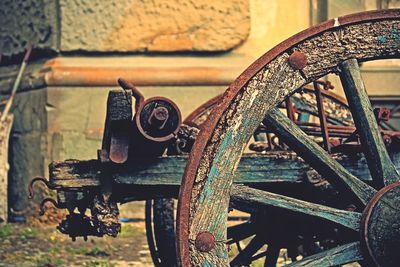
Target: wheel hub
{"type": "Point", "coordinates": [381, 226]}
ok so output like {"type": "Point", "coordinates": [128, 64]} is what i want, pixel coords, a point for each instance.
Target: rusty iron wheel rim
{"type": "Point", "coordinates": [231, 93]}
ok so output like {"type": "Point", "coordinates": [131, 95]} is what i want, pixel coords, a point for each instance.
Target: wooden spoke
{"type": "Point", "coordinates": [245, 256]}
{"type": "Point", "coordinates": [272, 255]}
{"type": "Point", "coordinates": [381, 167]}
{"type": "Point", "coordinates": [332, 257]}
{"type": "Point", "coordinates": [240, 231]}
{"type": "Point", "coordinates": [316, 156]}
{"type": "Point", "coordinates": [250, 199]}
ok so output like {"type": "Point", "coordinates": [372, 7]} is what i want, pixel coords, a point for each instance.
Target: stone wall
{"type": "Point", "coordinates": [23, 21]}
{"type": "Point", "coordinates": [164, 25]}
{"type": "Point", "coordinates": [123, 25]}
{"type": "Point", "coordinates": [27, 145]}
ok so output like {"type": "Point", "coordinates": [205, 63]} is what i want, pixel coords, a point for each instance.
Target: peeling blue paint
{"type": "Point", "coordinates": [214, 171]}
{"type": "Point", "coordinates": [381, 38]}
{"type": "Point", "coordinates": [206, 264]}
{"type": "Point", "coordinates": [226, 142]}
{"type": "Point", "coordinates": [392, 33]}
{"type": "Point", "coordinates": [215, 225]}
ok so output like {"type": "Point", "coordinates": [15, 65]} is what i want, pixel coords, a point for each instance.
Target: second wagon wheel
{"type": "Point", "coordinates": [336, 46]}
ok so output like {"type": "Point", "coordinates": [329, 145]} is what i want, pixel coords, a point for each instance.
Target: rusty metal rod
{"type": "Point", "coordinates": [290, 109]}
{"type": "Point", "coordinates": [322, 116]}
{"type": "Point", "coordinates": [135, 92]}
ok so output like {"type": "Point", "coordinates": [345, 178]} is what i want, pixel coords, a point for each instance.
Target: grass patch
{"type": "Point", "coordinates": [95, 263]}
{"type": "Point", "coordinates": [97, 252]}
{"type": "Point", "coordinates": [29, 233]}
{"type": "Point", "coordinates": [5, 231]}
{"type": "Point", "coordinates": [46, 260]}
{"type": "Point", "coordinates": [129, 230]}
{"type": "Point", "coordinates": [55, 249]}
{"type": "Point", "coordinates": [76, 251]}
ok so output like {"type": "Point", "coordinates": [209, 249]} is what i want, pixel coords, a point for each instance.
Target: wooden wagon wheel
{"type": "Point", "coordinates": [335, 46]}
{"type": "Point", "coordinates": [160, 213]}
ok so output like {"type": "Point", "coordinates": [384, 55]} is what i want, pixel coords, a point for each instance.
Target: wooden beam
{"type": "Point", "coordinates": [269, 168]}
{"type": "Point", "coordinates": [381, 167]}
{"type": "Point", "coordinates": [250, 200]}
{"type": "Point", "coordinates": [332, 257]}
{"type": "Point", "coordinates": [317, 157]}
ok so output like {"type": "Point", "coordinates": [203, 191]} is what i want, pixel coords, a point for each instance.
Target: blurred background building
{"type": "Point", "coordinates": [187, 50]}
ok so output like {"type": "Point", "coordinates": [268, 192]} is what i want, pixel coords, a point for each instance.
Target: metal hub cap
{"type": "Point", "coordinates": [381, 226]}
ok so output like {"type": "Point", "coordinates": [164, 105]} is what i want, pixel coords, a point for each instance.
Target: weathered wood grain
{"type": "Point", "coordinates": [317, 157]}
{"type": "Point", "coordinates": [252, 169]}
{"type": "Point", "coordinates": [251, 200]}
{"type": "Point", "coordinates": [381, 225]}
{"type": "Point", "coordinates": [364, 41]}
{"type": "Point", "coordinates": [117, 124]}
{"type": "Point", "coordinates": [381, 167]}
{"type": "Point", "coordinates": [332, 257]}
{"type": "Point", "coordinates": [210, 192]}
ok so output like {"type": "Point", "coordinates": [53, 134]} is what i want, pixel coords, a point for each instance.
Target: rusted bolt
{"type": "Point", "coordinates": [159, 117]}
{"type": "Point", "coordinates": [351, 207]}
{"type": "Point", "coordinates": [298, 60]}
{"type": "Point", "coordinates": [205, 242]}
{"type": "Point", "coordinates": [387, 139]}
{"type": "Point", "coordinates": [382, 114]}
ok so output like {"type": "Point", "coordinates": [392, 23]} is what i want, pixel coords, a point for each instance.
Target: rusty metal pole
{"type": "Point", "coordinates": [322, 117]}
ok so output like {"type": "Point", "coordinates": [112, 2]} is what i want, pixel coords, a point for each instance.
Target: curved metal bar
{"type": "Point", "coordinates": [135, 92]}
{"type": "Point", "coordinates": [33, 181]}
{"type": "Point", "coordinates": [42, 209]}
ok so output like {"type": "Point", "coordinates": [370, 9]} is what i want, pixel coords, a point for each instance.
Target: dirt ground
{"type": "Point", "coordinates": [38, 244]}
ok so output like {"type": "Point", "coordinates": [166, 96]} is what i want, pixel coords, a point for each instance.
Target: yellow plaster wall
{"type": "Point", "coordinates": [272, 22]}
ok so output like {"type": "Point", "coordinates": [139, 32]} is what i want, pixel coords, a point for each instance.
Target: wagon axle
{"type": "Point", "coordinates": [380, 226]}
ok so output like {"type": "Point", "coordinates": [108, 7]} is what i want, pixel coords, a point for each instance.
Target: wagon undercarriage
{"type": "Point", "coordinates": [318, 177]}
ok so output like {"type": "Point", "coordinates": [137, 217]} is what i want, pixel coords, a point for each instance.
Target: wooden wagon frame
{"type": "Point", "coordinates": [360, 194]}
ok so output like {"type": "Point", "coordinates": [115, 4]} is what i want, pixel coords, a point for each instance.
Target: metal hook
{"type": "Point", "coordinates": [43, 203]}
{"type": "Point", "coordinates": [135, 92]}
{"type": "Point", "coordinates": [34, 180]}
